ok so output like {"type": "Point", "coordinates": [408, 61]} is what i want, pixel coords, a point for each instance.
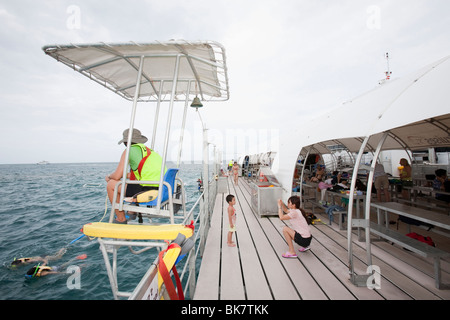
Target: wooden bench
{"type": "Point", "coordinates": [415, 246]}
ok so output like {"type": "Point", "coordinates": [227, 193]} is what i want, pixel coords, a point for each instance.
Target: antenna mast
{"type": "Point", "coordinates": [388, 73]}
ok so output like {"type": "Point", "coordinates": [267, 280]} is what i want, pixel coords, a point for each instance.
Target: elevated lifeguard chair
{"type": "Point", "coordinates": [149, 72]}
{"type": "Point", "coordinates": [167, 201]}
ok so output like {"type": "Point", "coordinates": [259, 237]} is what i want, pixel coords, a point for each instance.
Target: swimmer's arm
{"type": "Point", "coordinates": [44, 273]}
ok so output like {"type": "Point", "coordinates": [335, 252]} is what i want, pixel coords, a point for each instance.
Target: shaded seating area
{"type": "Point", "coordinates": [377, 121]}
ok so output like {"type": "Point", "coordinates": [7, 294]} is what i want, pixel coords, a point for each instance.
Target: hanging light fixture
{"type": "Point", "coordinates": [196, 103]}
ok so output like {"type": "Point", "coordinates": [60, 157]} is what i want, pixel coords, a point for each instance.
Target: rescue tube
{"type": "Point", "coordinates": [136, 232]}
{"type": "Point", "coordinates": [169, 258]}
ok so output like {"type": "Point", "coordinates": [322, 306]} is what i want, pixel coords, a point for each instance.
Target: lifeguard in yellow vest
{"type": "Point", "coordinates": [145, 165]}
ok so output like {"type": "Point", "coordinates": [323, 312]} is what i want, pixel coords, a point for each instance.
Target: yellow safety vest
{"type": "Point", "coordinates": [149, 168]}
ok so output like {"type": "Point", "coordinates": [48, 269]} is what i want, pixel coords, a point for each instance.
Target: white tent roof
{"type": "Point", "coordinates": [414, 110]}
{"type": "Point", "coordinates": [202, 68]}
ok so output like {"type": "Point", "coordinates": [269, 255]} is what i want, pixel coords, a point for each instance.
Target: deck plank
{"type": "Point", "coordinates": [340, 252]}
{"type": "Point", "coordinates": [407, 285]}
{"type": "Point", "coordinates": [208, 284]}
{"type": "Point", "coordinates": [305, 284]}
{"type": "Point", "coordinates": [410, 265]}
{"type": "Point", "coordinates": [312, 284]}
{"type": "Point", "coordinates": [231, 283]}
{"type": "Point", "coordinates": [256, 285]}
{"type": "Point", "coordinates": [277, 278]}
{"type": "Point", "coordinates": [325, 279]}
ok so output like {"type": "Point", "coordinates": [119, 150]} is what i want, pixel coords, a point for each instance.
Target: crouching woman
{"type": "Point", "coordinates": [299, 231]}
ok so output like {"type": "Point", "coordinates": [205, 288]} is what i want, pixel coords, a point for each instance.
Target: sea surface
{"type": "Point", "coordinates": [43, 208]}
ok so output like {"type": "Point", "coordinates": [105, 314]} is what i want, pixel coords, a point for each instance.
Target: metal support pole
{"type": "Point", "coordinates": [166, 138]}
{"type": "Point", "coordinates": [301, 175]}
{"type": "Point", "coordinates": [206, 175]}
{"type": "Point", "coordinates": [368, 197]}
{"type": "Point", "coordinates": [109, 270]}
{"type": "Point", "coordinates": [202, 228]}
{"type": "Point", "coordinates": [350, 210]}
{"type": "Point", "coordinates": [186, 104]}
{"type": "Point", "coordinates": [155, 123]}
{"type": "Point", "coordinates": [130, 132]}
{"type": "Point", "coordinates": [192, 280]}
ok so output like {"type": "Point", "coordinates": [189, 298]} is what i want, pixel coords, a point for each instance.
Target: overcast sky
{"type": "Point", "coordinates": [288, 62]}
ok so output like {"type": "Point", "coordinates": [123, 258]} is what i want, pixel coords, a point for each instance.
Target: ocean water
{"type": "Point", "coordinates": [43, 208]}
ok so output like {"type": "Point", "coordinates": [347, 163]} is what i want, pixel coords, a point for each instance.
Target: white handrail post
{"type": "Point", "coordinates": [130, 132]}
{"type": "Point", "coordinates": [166, 138]}
{"type": "Point", "coordinates": [155, 122]}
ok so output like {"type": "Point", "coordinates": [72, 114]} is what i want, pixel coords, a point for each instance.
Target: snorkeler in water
{"type": "Point", "coordinates": [44, 259]}
{"type": "Point", "coordinates": [43, 270]}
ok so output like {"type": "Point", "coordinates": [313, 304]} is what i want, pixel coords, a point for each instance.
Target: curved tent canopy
{"type": "Point", "coordinates": [411, 113]}
{"type": "Point", "coordinates": [413, 110]}
{"type": "Point", "coordinates": [202, 68]}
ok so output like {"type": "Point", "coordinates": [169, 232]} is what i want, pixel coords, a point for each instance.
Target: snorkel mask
{"type": "Point", "coordinates": [17, 262]}
{"type": "Point", "coordinates": [36, 269]}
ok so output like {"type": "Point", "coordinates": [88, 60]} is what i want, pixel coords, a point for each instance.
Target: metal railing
{"type": "Point", "coordinates": [200, 213]}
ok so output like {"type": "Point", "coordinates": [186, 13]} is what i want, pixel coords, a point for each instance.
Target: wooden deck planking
{"type": "Point", "coordinates": [340, 252]}
{"type": "Point", "coordinates": [410, 266]}
{"type": "Point", "coordinates": [402, 284]}
{"type": "Point", "coordinates": [335, 257]}
{"type": "Point", "coordinates": [279, 282]}
{"type": "Point", "coordinates": [408, 275]}
{"type": "Point", "coordinates": [335, 244]}
{"type": "Point", "coordinates": [308, 274]}
{"type": "Point", "coordinates": [231, 283]}
{"type": "Point", "coordinates": [255, 269]}
{"type": "Point", "coordinates": [256, 285]}
{"type": "Point", "coordinates": [208, 284]}
{"type": "Point", "coordinates": [326, 280]}
{"type": "Point", "coordinates": [301, 278]}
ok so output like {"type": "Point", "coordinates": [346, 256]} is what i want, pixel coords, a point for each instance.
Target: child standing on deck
{"type": "Point", "coordinates": [231, 218]}
{"type": "Point", "coordinates": [299, 232]}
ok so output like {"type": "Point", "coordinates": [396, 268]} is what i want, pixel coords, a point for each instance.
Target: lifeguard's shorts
{"type": "Point", "coordinates": [133, 189]}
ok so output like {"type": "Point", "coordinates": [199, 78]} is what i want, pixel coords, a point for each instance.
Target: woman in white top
{"type": "Point", "coordinates": [299, 232]}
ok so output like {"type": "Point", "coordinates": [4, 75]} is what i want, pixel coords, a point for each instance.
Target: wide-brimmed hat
{"type": "Point", "coordinates": [136, 138]}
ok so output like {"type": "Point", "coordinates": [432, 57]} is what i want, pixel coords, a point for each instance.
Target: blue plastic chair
{"type": "Point", "coordinates": [169, 177]}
